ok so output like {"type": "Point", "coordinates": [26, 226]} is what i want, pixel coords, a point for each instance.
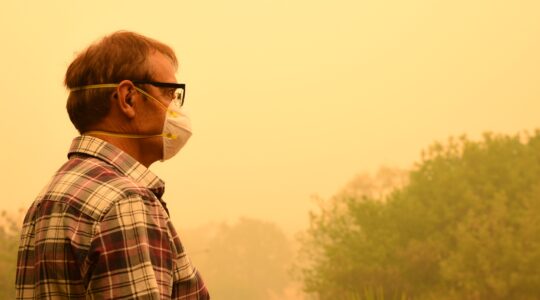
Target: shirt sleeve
{"type": "Point", "coordinates": [130, 254]}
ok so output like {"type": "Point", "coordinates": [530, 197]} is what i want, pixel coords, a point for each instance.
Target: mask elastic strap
{"type": "Point", "coordinates": [151, 97]}
{"type": "Point", "coordinates": [94, 86]}
{"type": "Point", "coordinates": [131, 136]}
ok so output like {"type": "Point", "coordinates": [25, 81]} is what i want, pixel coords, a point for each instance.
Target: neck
{"type": "Point", "coordinates": [137, 147]}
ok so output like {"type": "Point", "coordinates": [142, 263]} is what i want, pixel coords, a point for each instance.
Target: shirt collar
{"type": "Point", "coordinates": [119, 159]}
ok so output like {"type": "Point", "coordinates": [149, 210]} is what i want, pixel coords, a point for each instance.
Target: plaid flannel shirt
{"type": "Point", "coordinates": [99, 230]}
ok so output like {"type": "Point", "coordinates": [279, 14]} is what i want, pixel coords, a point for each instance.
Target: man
{"type": "Point", "coordinates": [100, 229]}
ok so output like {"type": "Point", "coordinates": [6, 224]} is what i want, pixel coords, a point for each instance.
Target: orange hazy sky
{"type": "Point", "coordinates": [288, 98]}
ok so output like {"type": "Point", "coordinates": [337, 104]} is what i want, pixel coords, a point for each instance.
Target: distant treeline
{"type": "Point", "coordinates": [9, 243]}
{"type": "Point", "coordinates": [465, 224]}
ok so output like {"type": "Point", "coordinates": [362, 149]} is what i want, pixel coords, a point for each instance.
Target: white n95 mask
{"type": "Point", "coordinates": [176, 130]}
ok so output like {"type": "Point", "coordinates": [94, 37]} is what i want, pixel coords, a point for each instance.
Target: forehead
{"type": "Point", "coordinates": [162, 67]}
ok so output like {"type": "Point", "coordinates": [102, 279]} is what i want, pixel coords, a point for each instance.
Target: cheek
{"type": "Point", "coordinates": [162, 121]}
{"type": "Point", "coordinates": [158, 119]}
{"type": "Point", "coordinates": [153, 121]}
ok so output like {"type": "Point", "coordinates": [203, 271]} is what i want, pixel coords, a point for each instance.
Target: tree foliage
{"type": "Point", "coordinates": [246, 260]}
{"type": "Point", "coordinates": [465, 226]}
{"type": "Point", "coordinates": [9, 243]}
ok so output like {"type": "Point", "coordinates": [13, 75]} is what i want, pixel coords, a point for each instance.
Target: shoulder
{"type": "Point", "coordinates": [91, 186]}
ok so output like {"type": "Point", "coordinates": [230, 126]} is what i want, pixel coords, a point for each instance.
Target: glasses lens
{"type": "Point", "coordinates": [180, 96]}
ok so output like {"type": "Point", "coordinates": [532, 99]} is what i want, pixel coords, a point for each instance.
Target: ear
{"type": "Point", "coordinates": [124, 97]}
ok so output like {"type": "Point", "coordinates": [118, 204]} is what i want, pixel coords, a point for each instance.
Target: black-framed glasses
{"type": "Point", "coordinates": [179, 94]}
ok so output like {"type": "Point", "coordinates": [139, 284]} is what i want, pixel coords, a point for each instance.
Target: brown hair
{"type": "Point", "coordinates": [116, 57]}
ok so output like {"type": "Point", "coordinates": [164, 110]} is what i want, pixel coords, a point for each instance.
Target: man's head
{"type": "Point", "coordinates": [120, 56]}
{"type": "Point", "coordinates": [123, 90]}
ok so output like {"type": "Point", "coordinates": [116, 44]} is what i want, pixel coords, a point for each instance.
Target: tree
{"type": "Point", "coordinates": [248, 260]}
{"type": "Point", "coordinates": [465, 226]}
{"type": "Point", "coordinates": [9, 243]}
